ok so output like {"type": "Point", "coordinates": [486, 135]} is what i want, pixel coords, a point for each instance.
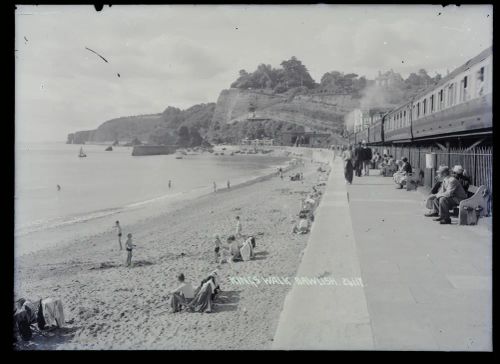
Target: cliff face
{"type": "Point", "coordinates": [237, 114]}
{"type": "Point", "coordinates": [156, 128]}
{"type": "Point", "coordinates": [80, 137]}
{"type": "Point", "coordinates": [315, 112]}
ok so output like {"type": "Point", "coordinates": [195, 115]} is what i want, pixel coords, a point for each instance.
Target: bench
{"type": "Point", "coordinates": [475, 206]}
{"type": "Point", "coordinates": [414, 179]}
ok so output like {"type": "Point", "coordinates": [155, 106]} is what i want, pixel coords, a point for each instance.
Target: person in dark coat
{"type": "Point", "coordinates": [358, 159]}
{"type": "Point", "coordinates": [367, 159]}
{"type": "Point", "coordinates": [458, 173]}
{"type": "Point", "coordinates": [347, 159]}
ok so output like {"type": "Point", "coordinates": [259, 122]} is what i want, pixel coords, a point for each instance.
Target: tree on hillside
{"type": "Point", "coordinates": [183, 136]}
{"type": "Point", "coordinates": [195, 137]}
{"type": "Point", "coordinates": [292, 74]}
{"type": "Point", "coordinates": [296, 74]}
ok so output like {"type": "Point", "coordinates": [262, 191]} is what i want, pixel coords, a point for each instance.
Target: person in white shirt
{"type": "Point", "coordinates": [238, 226]}
{"type": "Point", "coordinates": [182, 295]}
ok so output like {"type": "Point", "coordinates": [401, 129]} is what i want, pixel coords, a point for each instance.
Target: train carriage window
{"type": "Point", "coordinates": [432, 103]}
{"type": "Point", "coordinates": [463, 89]}
{"type": "Point", "coordinates": [451, 95]}
{"type": "Point", "coordinates": [418, 109]}
{"type": "Point", "coordinates": [480, 82]}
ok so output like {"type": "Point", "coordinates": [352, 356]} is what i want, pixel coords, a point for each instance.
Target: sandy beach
{"type": "Point", "coordinates": [110, 306]}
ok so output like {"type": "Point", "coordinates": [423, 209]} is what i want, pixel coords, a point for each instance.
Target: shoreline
{"type": "Point", "coordinates": [57, 235]}
{"type": "Point", "coordinates": [113, 307]}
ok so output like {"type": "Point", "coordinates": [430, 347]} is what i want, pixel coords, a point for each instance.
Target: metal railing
{"type": "Point", "coordinates": [477, 162]}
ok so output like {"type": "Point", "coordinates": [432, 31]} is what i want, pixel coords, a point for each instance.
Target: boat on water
{"type": "Point", "coordinates": [81, 154]}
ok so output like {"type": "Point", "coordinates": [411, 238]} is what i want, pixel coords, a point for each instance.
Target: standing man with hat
{"type": "Point", "coordinates": [358, 159]}
{"type": "Point", "coordinates": [367, 159]}
{"type": "Point", "coordinates": [449, 195]}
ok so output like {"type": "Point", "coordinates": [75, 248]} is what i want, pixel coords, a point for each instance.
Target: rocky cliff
{"type": "Point", "coordinates": [309, 111]}
{"type": "Point", "coordinates": [237, 114]}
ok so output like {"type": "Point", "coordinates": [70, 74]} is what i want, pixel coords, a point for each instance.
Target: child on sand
{"type": "Point", "coordinates": [238, 226]}
{"type": "Point", "coordinates": [117, 225]}
{"type": "Point", "coordinates": [218, 244]}
{"type": "Point", "coordinates": [129, 246]}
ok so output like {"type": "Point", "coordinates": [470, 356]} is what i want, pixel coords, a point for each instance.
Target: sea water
{"type": "Point", "coordinates": [107, 183]}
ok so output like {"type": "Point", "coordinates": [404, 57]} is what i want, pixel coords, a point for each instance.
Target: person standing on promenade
{"type": "Point", "coordinates": [169, 184]}
{"type": "Point", "coordinates": [58, 188]}
{"type": "Point", "coordinates": [215, 187]}
{"type": "Point", "coordinates": [367, 158]}
{"type": "Point", "coordinates": [358, 159]}
{"type": "Point", "coordinates": [129, 246]}
{"type": "Point", "coordinates": [348, 166]}
{"type": "Point", "coordinates": [117, 226]}
{"type": "Point", "coordinates": [228, 184]}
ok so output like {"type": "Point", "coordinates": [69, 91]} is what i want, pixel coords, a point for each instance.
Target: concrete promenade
{"type": "Point", "coordinates": [425, 286]}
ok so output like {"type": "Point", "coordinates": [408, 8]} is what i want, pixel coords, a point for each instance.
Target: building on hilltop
{"type": "Point", "coordinates": [388, 79]}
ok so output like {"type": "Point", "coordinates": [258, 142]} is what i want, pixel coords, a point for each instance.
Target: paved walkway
{"type": "Point", "coordinates": [426, 286]}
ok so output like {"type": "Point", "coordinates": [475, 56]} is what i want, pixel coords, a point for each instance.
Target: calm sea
{"type": "Point", "coordinates": [106, 183]}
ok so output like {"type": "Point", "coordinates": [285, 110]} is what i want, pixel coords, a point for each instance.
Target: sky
{"type": "Point", "coordinates": [182, 55]}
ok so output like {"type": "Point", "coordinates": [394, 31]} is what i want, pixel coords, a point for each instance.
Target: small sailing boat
{"type": "Point", "coordinates": [81, 154]}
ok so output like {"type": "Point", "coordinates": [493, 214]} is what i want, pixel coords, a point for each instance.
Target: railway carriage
{"type": "Point", "coordinates": [461, 104]}
{"type": "Point", "coordinates": [397, 124]}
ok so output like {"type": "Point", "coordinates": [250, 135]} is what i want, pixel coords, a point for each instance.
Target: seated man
{"type": "Point", "coordinates": [182, 295]}
{"type": "Point", "coordinates": [435, 189]}
{"type": "Point", "coordinates": [449, 196]}
{"type": "Point", "coordinates": [459, 174]}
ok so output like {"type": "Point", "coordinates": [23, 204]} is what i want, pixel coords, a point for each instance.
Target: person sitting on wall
{"type": "Point", "coordinates": [449, 195]}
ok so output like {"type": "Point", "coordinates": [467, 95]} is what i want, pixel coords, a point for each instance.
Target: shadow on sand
{"type": "Point", "coordinates": [226, 301]}
{"type": "Point", "coordinates": [261, 255]}
{"type": "Point", "coordinates": [46, 340]}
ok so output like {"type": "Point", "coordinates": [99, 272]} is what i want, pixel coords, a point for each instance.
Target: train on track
{"type": "Point", "coordinates": [459, 106]}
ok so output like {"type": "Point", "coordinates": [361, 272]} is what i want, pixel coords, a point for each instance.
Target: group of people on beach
{"type": "Point", "coordinates": [237, 247]}
{"type": "Point", "coordinates": [228, 184]}
{"type": "Point", "coordinates": [129, 245]}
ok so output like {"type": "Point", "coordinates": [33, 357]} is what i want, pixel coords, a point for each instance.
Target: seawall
{"type": "Point", "coordinates": [332, 316]}
{"type": "Point", "coordinates": [140, 150]}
